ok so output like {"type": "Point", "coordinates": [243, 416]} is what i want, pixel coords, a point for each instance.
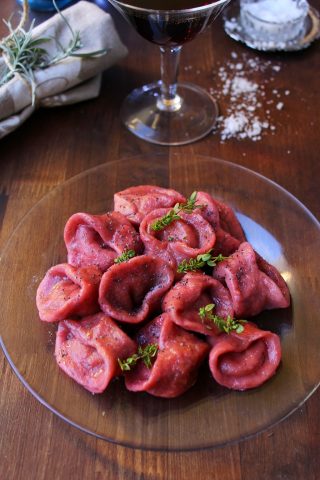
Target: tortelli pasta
{"type": "Point", "coordinates": [157, 287]}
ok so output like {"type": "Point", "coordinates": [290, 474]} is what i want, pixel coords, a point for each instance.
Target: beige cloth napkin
{"type": "Point", "coordinates": [73, 79]}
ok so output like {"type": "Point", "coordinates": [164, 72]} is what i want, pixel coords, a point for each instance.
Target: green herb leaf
{"type": "Point", "coordinates": [209, 307]}
{"type": "Point", "coordinates": [146, 354]}
{"type": "Point", "coordinates": [164, 221]}
{"type": "Point", "coordinates": [173, 214]}
{"type": "Point", "coordinates": [195, 264]}
{"type": "Point", "coordinates": [190, 266]}
{"type": "Point", "coordinates": [226, 325]}
{"type": "Point", "coordinates": [125, 256]}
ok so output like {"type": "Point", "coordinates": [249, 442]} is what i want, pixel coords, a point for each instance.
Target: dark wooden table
{"type": "Point", "coordinates": [56, 144]}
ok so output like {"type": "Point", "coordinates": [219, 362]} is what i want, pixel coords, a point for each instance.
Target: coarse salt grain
{"type": "Point", "coordinates": [240, 85]}
{"type": "Point", "coordinates": [242, 100]}
{"type": "Point", "coordinates": [233, 124]}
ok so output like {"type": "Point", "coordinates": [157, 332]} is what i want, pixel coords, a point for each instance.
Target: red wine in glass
{"type": "Point", "coordinates": [167, 112]}
{"type": "Point", "coordinates": [170, 30]}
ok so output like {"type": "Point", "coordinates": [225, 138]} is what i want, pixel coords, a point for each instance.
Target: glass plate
{"type": "Point", "coordinates": [280, 228]}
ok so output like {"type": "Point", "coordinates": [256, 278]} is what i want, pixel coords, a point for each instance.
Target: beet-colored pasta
{"type": "Point", "coordinates": [156, 263]}
{"type": "Point", "coordinates": [229, 222]}
{"type": "Point", "coordinates": [136, 202]}
{"type": "Point", "coordinates": [251, 289]}
{"type": "Point", "coordinates": [175, 368]}
{"type": "Point", "coordinates": [227, 228]}
{"type": "Point", "coordinates": [88, 350]}
{"type": "Point", "coordinates": [99, 239]}
{"type": "Point", "coordinates": [194, 291]}
{"type": "Point", "coordinates": [132, 290]}
{"type": "Point", "coordinates": [67, 291]}
{"type": "Point", "coordinates": [185, 238]}
{"type": "Point", "coordinates": [246, 360]}
{"type": "Point", "coordinates": [275, 276]}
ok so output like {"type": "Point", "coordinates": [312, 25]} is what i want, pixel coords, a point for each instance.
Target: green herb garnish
{"type": "Point", "coordinates": [125, 256]}
{"type": "Point", "coordinates": [144, 353]}
{"type": "Point", "coordinates": [226, 325]}
{"type": "Point", "coordinates": [200, 261]}
{"type": "Point", "coordinates": [24, 54]}
{"type": "Point", "coordinates": [173, 214]}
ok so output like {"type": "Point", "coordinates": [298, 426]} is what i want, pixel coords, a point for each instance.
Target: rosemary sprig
{"type": "Point", "coordinates": [200, 261]}
{"type": "Point", "coordinates": [125, 256]}
{"type": "Point", "coordinates": [173, 214]}
{"type": "Point", "coordinates": [24, 54]}
{"type": "Point", "coordinates": [74, 45]}
{"type": "Point", "coordinates": [226, 325]}
{"type": "Point", "coordinates": [144, 353]}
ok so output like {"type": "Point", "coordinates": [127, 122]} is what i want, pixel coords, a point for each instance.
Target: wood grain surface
{"type": "Point", "coordinates": [57, 144]}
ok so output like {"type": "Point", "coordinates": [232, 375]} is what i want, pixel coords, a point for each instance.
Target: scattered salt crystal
{"type": "Point", "coordinates": [279, 106]}
{"type": "Point", "coordinates": [242, 99]}
{"type": "Point", "coordinates": [287, 92]}
{"type": "Point", "coordinates": [255, 129]}
{"type": "Point", "coordinates": [241, 85]}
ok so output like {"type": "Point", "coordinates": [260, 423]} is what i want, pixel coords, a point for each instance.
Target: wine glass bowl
{"type": "Point", "coordinates": [166, 112]}
{"type": "Point", "coordinates": [168, 25]}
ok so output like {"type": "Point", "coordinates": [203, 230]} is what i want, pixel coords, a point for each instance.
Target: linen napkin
{"type": "Point", "coordinates": [73, 79]}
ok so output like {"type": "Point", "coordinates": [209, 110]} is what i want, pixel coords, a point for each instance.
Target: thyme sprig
{"type": "Point", "coordinates": [226, 325]}
{"type": "Point", "coordinates": [200, 261]}
{"type": "Point", "coordinates": [25, 54]}
{"type": "Point", "coordinates": [125, 256]}
{"type": "Point", "coordinates": [146, 354]}
{"type": "Point", "coordinates": [173, 214]}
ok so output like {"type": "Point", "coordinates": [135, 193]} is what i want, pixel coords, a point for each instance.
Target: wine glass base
{"type": "Point", "coordinates": [193, 120]}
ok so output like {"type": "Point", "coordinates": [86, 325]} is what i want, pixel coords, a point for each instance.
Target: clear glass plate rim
{"type": "Point", "coordinates": [142, 447]}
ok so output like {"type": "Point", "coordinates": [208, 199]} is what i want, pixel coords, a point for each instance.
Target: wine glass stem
{"type": "Point", "coordinates": [169, 100]}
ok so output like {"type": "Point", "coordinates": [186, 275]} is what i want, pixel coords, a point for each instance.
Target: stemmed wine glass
{"type": "Point", "coordinates": [167, 112]}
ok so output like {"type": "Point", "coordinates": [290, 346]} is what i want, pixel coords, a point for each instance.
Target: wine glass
{"type": "Point", "coordinates": [167, 112]}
